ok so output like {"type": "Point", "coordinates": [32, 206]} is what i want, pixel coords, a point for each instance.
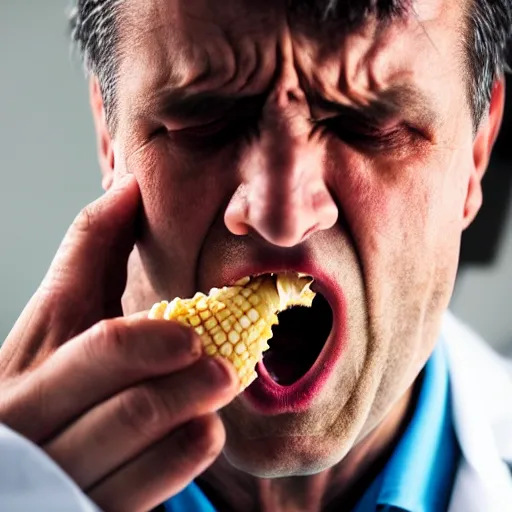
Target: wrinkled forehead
{"type": "Point", "coordinates": [180, 31]}
{"type": "Point", "coordinates": [233, 15]}
{"type": "Point", "coordinates": [320, 19]}
{"type": "Point", "coordinates": [241, 19]}
{"type": "Point", "coordinates": [183, 25]}
{"type": "Point", "coordinates": [366, 45]}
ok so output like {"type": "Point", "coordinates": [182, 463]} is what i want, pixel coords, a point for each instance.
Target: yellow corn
{"type": "Point", "coordinates": [236, 322]}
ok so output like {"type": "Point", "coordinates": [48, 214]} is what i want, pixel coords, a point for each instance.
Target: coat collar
{"type": "Point", "coordinates": [482, 416]}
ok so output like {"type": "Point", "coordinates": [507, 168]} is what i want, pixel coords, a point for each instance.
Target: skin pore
{"type": "Point", "coordinates": [253, 139]}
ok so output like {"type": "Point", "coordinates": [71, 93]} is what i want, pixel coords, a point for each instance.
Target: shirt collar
{"type": "Point", "coordinates": [419, 475]}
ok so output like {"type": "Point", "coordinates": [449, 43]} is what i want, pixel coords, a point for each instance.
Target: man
{"type": "Point", "coordinates": [344, 140]}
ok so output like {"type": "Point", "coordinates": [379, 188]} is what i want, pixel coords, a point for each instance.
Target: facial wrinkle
{"type": "Point", "coordinates": [356, 185]}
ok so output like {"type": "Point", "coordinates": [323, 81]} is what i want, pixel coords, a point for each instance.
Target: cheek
{"type": "Point", "coordinates": [181, 199]}
{"type": "Point", "coordinates": [412, 204]}
{"type": "Point", "coordinates": [405, 220]}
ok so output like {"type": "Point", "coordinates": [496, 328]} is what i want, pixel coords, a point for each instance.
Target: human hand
{"type": "Point", "coordinates": [125, 405]}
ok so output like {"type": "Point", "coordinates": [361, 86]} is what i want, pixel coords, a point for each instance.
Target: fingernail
{"type": "Point", "coordinates": [218, 372]}
{"type": "Point", "coordinates": [190, 342]}
{"type": "Point", "coordinates": [196, 346]}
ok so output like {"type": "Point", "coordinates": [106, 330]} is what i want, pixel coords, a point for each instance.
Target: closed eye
{"type": "Point", "coordinates": [212, 135]}
{"type": "Point", "coordinates": [370, 136]}
{"type": "Point", "coordinates": [205, 130]}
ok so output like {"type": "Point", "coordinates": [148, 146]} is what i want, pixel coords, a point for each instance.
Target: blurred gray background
{"type": "Point", "coordinates": [49, 171]}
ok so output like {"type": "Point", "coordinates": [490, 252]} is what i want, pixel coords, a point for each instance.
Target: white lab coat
{"type": "Point", "coordinates": [482, 408]}
{"type": "Point", "coordinates": [482, 411]}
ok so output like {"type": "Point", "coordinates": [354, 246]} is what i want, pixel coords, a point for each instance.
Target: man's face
{"type": "Point", "coordinates": [348, 158]}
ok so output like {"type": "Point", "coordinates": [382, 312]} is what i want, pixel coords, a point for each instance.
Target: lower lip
{"type": "Point", "coordinates": [268, 397]}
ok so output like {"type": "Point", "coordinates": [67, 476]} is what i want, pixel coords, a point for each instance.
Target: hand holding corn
{"type": "Point", "coordinates": [126, 406]}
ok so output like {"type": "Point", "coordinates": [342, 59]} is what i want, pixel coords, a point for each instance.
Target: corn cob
{"type": "Point", "coordinates": [236, 322]}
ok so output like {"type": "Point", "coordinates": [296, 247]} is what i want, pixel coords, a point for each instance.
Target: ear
{"type": "Point", "coordinates": [482, 148]}
{"type": "Point", "coordinates": [103, 138]}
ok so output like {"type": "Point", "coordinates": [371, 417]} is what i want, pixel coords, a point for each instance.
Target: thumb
{"type": "Point", "coordinates": [91, 261]}
{"type": "Point", "coordinates": [87, 277]}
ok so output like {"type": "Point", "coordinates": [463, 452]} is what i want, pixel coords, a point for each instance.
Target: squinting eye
{"type": "Point", "coordinates": [205, 130]}
{"type": "Point", "coordinates": [211, 135]}
{"type": "Point", "coordinates": [363, 134]}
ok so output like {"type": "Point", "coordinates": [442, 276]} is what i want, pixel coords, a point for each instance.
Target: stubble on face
{"type": "Point", "coordinates": [394, 250]}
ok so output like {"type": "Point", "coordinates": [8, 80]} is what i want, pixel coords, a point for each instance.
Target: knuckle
{"type": "Point", "coordinates": [103, 335]}
{"type": "Point", "coordinates": [108, 335]}
{"type": "Point", "coordinates": [84, 221]}
{"type": "Point", "coordinates": [90, 222]}
{"type": "Point", "coordinates": [142, 411]}
{"type": "Point", "coordinates": [100, 332]}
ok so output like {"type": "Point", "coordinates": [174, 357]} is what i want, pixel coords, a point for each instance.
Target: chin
{"type": "Point", "coordinates": [282, 463]}
{"type": "Point", "coordinates": [284, 456]}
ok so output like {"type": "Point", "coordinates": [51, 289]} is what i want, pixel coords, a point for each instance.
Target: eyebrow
{"type": "Point", "coordinates": [404, 100]}
{"type": "Point", "coordinates": [205, 105]}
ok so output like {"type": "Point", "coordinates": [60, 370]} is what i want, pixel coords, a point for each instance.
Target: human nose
{"type": "Point", "coordinates": [283, 195]}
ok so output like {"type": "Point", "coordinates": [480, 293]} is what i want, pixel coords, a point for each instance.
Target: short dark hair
{"type": "Point", "coordinates": [94, 26]}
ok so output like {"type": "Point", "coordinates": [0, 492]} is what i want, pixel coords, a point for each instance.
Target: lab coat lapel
{"type": "Point", "coordinates": [482, 410]}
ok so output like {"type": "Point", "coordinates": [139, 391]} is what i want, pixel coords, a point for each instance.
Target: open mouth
{"type": "Point", "coordinates": [297, 341]}
{"type": "Point", "coordinates": [303, 353]}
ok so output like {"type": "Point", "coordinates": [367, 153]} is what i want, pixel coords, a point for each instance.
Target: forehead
{"type": "Point", "coordinates": [184, 36]}
{"type": "Point", "coordinates": [235, 46]}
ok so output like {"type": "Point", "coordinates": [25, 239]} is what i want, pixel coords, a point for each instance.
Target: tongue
{"type": "Point", "coordinates": [297, 341]}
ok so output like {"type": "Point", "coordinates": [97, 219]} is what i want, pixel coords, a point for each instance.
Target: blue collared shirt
{"type": "Point", "coordinates": [419, 475]}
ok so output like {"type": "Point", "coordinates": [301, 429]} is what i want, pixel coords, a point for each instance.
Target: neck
{"type": "Point", "coordinates": [339, 487]}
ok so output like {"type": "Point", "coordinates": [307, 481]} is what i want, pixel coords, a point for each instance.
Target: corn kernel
{"type": "Point", "coordinates": [201, 304]}
{"type": "Point", "coordinates": [194, 320]}
{"type": "Point", "coordinates": [253, 315]}
{"type": "Point", "coordinates": [233, 337]}
{"type": "Point", "coordinates": [222, 315]}
{"type": "Point", "coordinates": [210, 350]}
{"type": "Point", "coordinates": [254, 299]}
{"type": "Point", "coordinates": [220, 338]}
{"type": "Point", "coordinates": [205, 315]}
{"type": "Point", "coordinates": [210, 323]}
{"type": "Point", "coordinates": [240, 348]}
{"type": "Point", "coordinates": [226, 350]}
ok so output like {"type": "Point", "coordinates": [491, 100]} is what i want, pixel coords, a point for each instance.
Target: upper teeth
{"type": "Point", "coordinates": [245, 280]}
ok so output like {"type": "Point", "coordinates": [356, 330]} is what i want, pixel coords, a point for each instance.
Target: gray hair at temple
{"type": "Point", "coordinates": [94, 26]}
